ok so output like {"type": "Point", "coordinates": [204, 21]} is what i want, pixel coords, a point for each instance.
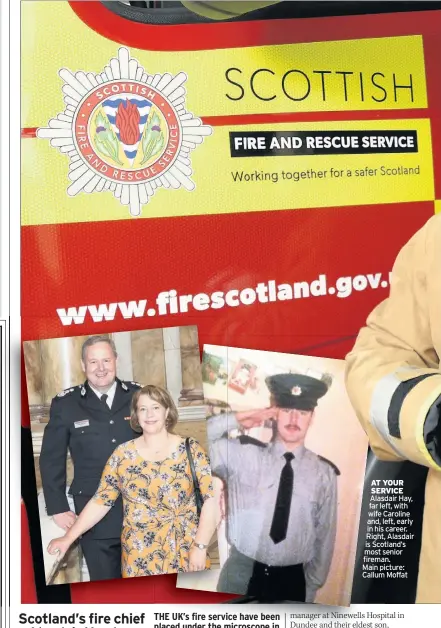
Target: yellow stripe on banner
{"type": "Point", "coordinates": [268, 183]}
{"type": "Point", "coordinates": [351, 75]}
{"type": "Point", "coordinates": [437, 207]}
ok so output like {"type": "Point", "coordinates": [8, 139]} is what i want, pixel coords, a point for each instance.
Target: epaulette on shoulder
{"type": "Point", "coordinates": [249, 440]}
{"type": "Point", "coordinates": [331, 464]}
{"type": "Point", "coordinates": [129, 385]}
{"type": "Point", "coordinates": [63, 393]}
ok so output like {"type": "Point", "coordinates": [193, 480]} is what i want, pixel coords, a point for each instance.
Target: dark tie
{"type": "Point", "coordinates": [103, 400]}
{"type": "Point", "coordinates": [279, 526]}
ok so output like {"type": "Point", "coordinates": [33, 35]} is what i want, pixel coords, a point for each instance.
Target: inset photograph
{"type": "Point", "coordinates": [288, 458]}
{"type": "Point", "coordinates": [120, 450]}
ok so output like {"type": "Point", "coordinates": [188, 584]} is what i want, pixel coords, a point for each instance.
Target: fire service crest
{"type": "Point", "coordinates": [125, 131]}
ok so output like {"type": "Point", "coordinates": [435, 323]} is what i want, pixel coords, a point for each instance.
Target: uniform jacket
{"type": "Point", "coordinates": [394, 383]}
{"type": "Point", "coordinates": [81, 423]}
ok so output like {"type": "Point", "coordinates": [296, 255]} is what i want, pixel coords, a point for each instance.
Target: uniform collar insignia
{"type": "Point", "coordinates": [123, 386]}
{"type": "Point", "coordinates": [65, 392]}
{"type": "Point", "coordinates": [83, 391]}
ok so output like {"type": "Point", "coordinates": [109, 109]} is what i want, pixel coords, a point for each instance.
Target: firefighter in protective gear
{"type": "Point", "coordinates": [394, 382]}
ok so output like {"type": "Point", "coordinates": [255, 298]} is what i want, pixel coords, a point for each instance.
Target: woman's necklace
{"type": "Point", "coordinates": [162, 448]}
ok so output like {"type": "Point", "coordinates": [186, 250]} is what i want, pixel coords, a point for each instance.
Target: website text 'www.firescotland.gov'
{"type": "Point", "coordinates": [171, 302]}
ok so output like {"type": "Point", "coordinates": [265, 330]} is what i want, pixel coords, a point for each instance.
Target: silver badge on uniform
{"type": "Point", "coordinates": [65, 392]}
{"type": "Point", "coordinates": [84, 423]}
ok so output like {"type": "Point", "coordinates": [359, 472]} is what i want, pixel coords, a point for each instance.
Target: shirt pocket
{"type": "Point", "coordinates": [305, 500]}
{"type": "Point", "coordinates": [255, 484]}
{"type": "Point", "coordinates": [86, 438]}
{"type": "Point", "coordinates": [82, 430]}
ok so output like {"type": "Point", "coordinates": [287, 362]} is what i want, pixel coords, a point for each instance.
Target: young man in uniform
{"type": "Point", "coordinates": [90, 420]}
{"type": "Point", "coordinates": [282, 498]}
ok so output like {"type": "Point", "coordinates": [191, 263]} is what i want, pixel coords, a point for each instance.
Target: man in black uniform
{"type": "Point", "coordinates": [90, 420]}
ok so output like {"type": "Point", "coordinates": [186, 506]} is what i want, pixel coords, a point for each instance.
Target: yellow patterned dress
{"type": "Point", "coordinates": [160, 515]}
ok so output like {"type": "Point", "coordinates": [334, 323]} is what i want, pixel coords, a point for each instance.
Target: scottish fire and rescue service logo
{"type": "Point", "coordinates": [125, 131]}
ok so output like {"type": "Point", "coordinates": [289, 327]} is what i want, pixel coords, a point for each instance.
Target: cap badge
{"type": "Point", "coordinates": [296, 391]}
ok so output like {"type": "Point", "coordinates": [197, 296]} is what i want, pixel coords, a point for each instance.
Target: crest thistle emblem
{"type": "Point", "coordinates": [125, 131]}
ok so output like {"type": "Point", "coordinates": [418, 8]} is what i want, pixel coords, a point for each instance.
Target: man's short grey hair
{"type": "Point", "coordinates": [93, 340]}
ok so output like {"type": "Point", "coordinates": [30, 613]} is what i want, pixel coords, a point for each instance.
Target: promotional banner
{"type": "Point", "coordinates": [256, 183]}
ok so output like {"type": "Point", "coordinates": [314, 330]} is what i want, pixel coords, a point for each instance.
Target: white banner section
{"type": "Point", "coordinates": [224, 616]}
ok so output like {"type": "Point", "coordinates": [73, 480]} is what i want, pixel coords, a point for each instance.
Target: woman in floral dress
{"type": "Point", "coordinates": [161, 532]}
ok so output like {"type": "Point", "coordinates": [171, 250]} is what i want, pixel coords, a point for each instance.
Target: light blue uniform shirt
{"type": "Point", "coordinates": [252, 474]}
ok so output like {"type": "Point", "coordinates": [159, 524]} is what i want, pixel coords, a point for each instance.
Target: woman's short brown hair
{"type": "Point", "coordinates": [161, 396]}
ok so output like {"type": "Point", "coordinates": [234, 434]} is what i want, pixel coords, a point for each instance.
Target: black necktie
{"type": "Point", "coordinates": [279, 526]}
{"type": "Point", "coordinates": [103, 399]}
